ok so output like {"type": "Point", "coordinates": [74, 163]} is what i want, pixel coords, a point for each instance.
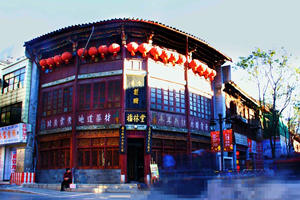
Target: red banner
{"type": "Point", "coordinates": [227, 138]}
{"type": "Point", "coordinates": [249, 144]}
{"type": "Point", "coordinates": [227, 141]}
{"type": "Point", "coordinates": [215, 141]}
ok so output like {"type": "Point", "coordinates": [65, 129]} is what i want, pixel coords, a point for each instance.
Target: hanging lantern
{"type": "Point", "coordinates": [93, 51]}
{"type": "Point", "coordinates": [212, 75]}
{"type": "Point", "coordinates": [165, 55]}
{"type": "Point", "coordinates": [194, 64]}
{"type": "Point", "coordinates": [50, 62]}
{"type": "Point", "coordinates": [103, 50]}
{"type": "Point", "coordinates": [43, 63]}
{"type": "Point", "coordinates": [81, 54]}
{"type": "Point", "coordinates": [132, 47]}
{"type": "Point", "coordinates": [174, 58]}
{"type": "Point", "coordinates": [181, 59]}
{"type": "Point", "coordinates": [114, 48]}
{"type": "Point", "coordinates": [206, 72]}
{"type": "Point", "coordinates": [57, 59]}
{"type": "Point", "coordinates": [144, 48]}
{"type": "Point", "coordinates": [66, 56]}
{"type": "Point", "coordinates": [156, 52]}
{"type": "Point", "coordinates": [201, 69]}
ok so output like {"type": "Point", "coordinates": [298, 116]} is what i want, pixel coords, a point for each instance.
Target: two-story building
{"type": "Point", "coordinates": [115, 95]}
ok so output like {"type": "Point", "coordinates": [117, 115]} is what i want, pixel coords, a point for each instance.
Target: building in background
{"type": "Point", "coordinates": [16, 136]}
{"type": "Point", "coordinates": [130, 98]}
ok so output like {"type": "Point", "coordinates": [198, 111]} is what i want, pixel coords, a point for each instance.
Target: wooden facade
{"type": "Point", "coordinates": [121, 111]}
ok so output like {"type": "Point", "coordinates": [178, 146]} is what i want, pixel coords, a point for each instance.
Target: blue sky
{"type": "Point", "coordinates": [234, 27]}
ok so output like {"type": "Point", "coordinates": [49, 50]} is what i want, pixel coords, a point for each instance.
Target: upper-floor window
{"type": "Point", "coordinates": [57, 101]}
{"type": "Point", "coordinates": [13, 80]}
{"type": "Point", "coordinates": [11, 114]}
{"type": "Point", "coordinates": [104, 94]}
{"type": "Point", "coordinates": [200, 106]}
{"type": "Point", "coordinates": [168, 100]}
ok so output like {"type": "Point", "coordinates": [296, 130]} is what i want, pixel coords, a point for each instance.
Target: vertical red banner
{"type": "Point", "coordinates": [215, 141]}
{"type": "Point", "coordinates": [227, 139]}
{"type": "Point", "coordinates": [249, 145]}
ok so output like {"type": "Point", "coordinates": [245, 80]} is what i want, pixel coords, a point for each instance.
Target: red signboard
{"type": "Point", "coordinates": [227, 141]}
{"type": "Point", "coordinates": [227, 138]}
{"type": "Point", "coordinates": [249, 144]}
{"type": "Point", "coordinates": [215, 141]}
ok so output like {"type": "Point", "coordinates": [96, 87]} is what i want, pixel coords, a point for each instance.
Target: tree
{"type": "Point", "coordinates": [276, 81]}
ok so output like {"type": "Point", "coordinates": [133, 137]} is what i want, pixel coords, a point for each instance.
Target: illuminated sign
{"type": "Point", "coordinates": [13, 134]}
{"type": "Point", "coordinates": [135, 92]}
{"type": "Point", "coordinates": [227, 141]}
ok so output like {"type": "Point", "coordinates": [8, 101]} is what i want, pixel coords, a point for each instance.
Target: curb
{"type": "Point", "coordinates": [16, 190]}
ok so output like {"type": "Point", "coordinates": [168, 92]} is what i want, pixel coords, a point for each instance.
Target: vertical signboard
{"type": "Point", "coordinates": [227, 138]}
{"type": "Point", "coordinates": [135, 92]}
{"type": "Point", "coordinates": [2, 154]}
{"type": "Point", "coordinates": [122, 140]}
{"type": "Point", "coordinates": [215, 141]}
{"type": "Point", "coordinates": [13, 161]}
{"type": "Point", "coordinates": [149, 140]}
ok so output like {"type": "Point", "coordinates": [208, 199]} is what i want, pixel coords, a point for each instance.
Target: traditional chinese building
{"type": "Point", "coordinates": [116, 94]}
{"type": "Point", "coordinates": [16, 135]}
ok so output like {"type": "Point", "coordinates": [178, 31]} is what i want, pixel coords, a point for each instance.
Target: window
{"type": "Point", "coordinates": [54, 154]}
{"type": "Point", "coordinates": [57, 101]}
{"type": "Point", "coordinates": [114, 93]}
{"type": "Point", "coordinates": [14, 80]}
{"type": "Point", "coordinates": [98, 152]}
{"type": "Point", "coordinates": [200, 106]}
{"type": "Point", "coordinates": [99, 95]}
{"type": "Point", "coordinates": [84, 96]}
{"type": "Point", "coordinates": [11, 114]}
{"type": "Point", "coordinates": [168, 100]}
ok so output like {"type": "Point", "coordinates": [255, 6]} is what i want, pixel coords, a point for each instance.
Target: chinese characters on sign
{"type": "Point", "coordinates": [227, 141]}
{"type": "Point", "coordinates": [13, 134]}
{"type": "Point", "coordinates": [135, 92]}
{"type": "Point", "coordinates": [122, 139]}
{"type": "Point", "coordinates": [199, 124]}
{"type": "Point", "coordinates": [136, 118]}
{"type": "Point", "coordinates": [148, 139]}
{"type": "Point", "coordinates": [13, 161]}
{"type": "Point", "coordinates": [163, 119]}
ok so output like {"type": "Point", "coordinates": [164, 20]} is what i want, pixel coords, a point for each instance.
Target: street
{"type": "Point", "coordinates": [218, 189]}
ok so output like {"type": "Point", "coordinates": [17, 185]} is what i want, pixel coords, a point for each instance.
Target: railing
{"type": "Point", "coordinates": [20, 178]}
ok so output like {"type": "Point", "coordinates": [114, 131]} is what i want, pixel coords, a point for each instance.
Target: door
{"type": "Point", "coordinates": [10, 162]}
{"type": "Point", "coordinates": [135, 160]}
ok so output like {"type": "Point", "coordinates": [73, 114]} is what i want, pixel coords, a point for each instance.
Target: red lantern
{"type": "Point", "coordinates": [194, 64]}
{"type": "Point", "coordinates": [43, 63]}
{"type": "Point", "coordinates": [102, 50]}
{"type": "Point", "coordinates": [93, 51]}
{"type": "Point", "coordinates": [174, 58]}
{"type": "Point", "coordinates": [206, 72]}
{"type": "Point", "coordinates": [81, 54]}
{"type": "Point", "coordinates": [212, 75]}
{"type": "Point", "coordinates": [181, 59]}
{"type": "Point", "coordinates": [132, 47]}
{"type": "Point", "coordinates": [144, 48]}
{"type": "Point", "coordinates": [114, 48]}
{"type": "Point", "coordinates": [165, 55]}
{"type": "Point", "coordinates": [66, 56]}
{"type": "Point", "coordinates": [57, 60]}
{"type": "Point", "coordinates": [201, 70]}
{"type": "Point", "coordinates": [50, 62]}
{"type": "Point", "coordinates": [156, 52]}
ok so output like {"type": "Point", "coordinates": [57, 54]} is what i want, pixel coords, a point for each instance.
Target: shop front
{"type": "Point", "coordinates": [13, 141]}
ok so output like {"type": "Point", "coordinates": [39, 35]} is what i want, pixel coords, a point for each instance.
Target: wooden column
{"type": "Point", "coordinates": [123, 157]}
{"type": "Point", "coordinates": [187, 98]}
{"type": "Point", "coordinates": [147, 160]}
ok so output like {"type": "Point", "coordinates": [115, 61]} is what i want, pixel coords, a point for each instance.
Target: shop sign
{"type": "Point", "coordinates": [199, 124]}
{"type": "Point", "coordinates": [60, 121]}
{"type": "Point", "coordinates": [136, 118]}
{"type": "Point", "coordinates": [166, 119]}
{"type": "Point", "coordinates": [240, 139]}
{"type": "Point", "coordinates": [122, 139]}
{"type": "Point", "coordinates": [215, 141]}
{"type": "Point", "coordinates": [148, 139]}
{"type": "Point", "coordinates": [13, 134]}
{"type": "Point", "coordinates": [154, 172]}
{"type": "Point", "coordinates": [227, 137]}
{"type": "Point", "coordinates": [135, 92]}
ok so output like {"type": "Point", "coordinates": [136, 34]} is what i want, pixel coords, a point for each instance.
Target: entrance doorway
{"type": "Point", "coordinates": [135, 160]}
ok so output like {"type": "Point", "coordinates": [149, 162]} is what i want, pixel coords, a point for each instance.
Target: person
{"type": "Point", "coordinates": [67, 179]}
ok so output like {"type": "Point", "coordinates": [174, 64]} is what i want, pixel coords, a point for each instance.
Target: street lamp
{"type": "Point", "coordinates": [213, 128]}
